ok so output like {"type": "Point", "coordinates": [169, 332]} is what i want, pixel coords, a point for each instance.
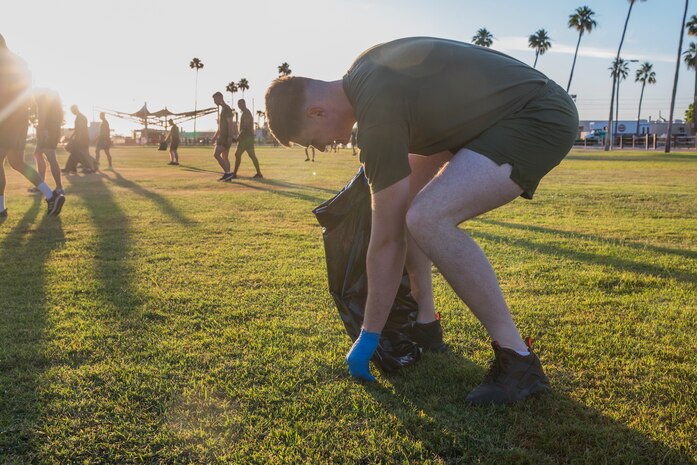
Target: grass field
{"type": "Point", "coordinates": [168, 318]}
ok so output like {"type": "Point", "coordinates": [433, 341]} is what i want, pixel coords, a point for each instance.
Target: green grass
{"type": "Point", "coordinates": [167, 318]}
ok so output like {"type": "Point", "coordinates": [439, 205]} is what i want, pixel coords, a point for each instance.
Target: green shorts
{"type": "Point", "coordinates": [533, 140]}
{"type": "Point", "coordinates": [245, 144]}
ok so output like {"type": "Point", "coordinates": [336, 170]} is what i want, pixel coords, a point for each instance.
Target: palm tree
{"type": "Point", "coordinates": [195, 64]}
{"type": "Point", "coordinates": [691, 26]}
{"type": "Point", "coordinates": [284, 70]}
{"type": "Point", "coordinates": [582, 20]}
{"type": "Point", "coordinates": [677, 70]}
{"type": "Point", "coordinates": [608, 140]}
{"type": "Point", "coordinates": [483, 38]}
{"type": "Point", "coordinates": [540, 42]}
{"type": "Point", "coordinates": [619, 71]}
{"type": "Point", "coordinates": [232, 88]}
{"type": "Point", "coordinates": [243, 85]}
{"type": "Point", "coordinates": [644, 74]}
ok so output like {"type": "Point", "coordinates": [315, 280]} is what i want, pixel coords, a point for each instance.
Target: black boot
{"type": "Point", "coordinates": [429, 336]}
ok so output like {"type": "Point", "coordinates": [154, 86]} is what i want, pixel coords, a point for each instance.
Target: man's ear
{"type": "Point", "coordinates": [316, 112]}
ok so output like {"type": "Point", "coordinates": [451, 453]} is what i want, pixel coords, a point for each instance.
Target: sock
{"type": "Point", "coordinates": [358, 358]}
{"type": "Point", "coordinates": [43, 187]}
{"type": "Point", "coordinates": [2, 203]}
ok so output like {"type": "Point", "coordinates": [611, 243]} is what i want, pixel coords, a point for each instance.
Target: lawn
{"type": "Point", "coordinates": [168, 318]}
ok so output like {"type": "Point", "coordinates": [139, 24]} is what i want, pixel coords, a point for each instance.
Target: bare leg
{"type": "Point", "coordinates": [96, 155]}
{"type": "Point", "coordinates": [55, 168]}
{"type": "Point", "coordinates": [107, 151]}
{"type": "Point", "coordinates": [16, 162]}
{"type": "Point", "coordinates": [253, 156]}
{"type": "Point", "coordinates": [469, 185]}
{"type": "Point", "coordinates": [418, 264]}
{"type": "Point", "coordinates": [238, 159]}
{"type": "Point", "coordinates": [223, 161]}
{"type": "Point", "coordinates": [40, 163]}
{"type": "Point", "coordinates": [3, 181]}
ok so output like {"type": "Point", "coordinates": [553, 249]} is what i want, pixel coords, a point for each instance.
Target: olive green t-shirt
{"type": "Point", "coordinates": [223, 127]}
{"type": "Point", "coordinates": [425, 95]}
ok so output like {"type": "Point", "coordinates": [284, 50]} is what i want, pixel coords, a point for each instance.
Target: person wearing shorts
{"type": "Point", "coordinates": [173, 140]}
{"type": "Point", "coordinates": [246, 139]}
{"type": "Point", "coordinates": [223, 138]}
{"type": "Point", "coordinates": [447, 131]}
{"type": "Point", "coordinates": [48, 134]}
{"type": "Point", "coordinates": [14, 122]}
{"type": "Point", "coordinates": [104, 140]}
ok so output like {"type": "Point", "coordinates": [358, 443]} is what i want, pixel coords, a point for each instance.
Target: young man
{"type": "Point", "coordinates": [104, 140]}
{"type": "Point", "coordinates": [79, 146]}
{"type": "Point", "coordinates": [246, 139]}
{"type": "Point", "coordinates": [223, 138]}
{"type": "Point", "coordinates": [14, 122]}
{"type": "Point", "coordinates": [173, 140]}
{"type": "Point", "coordinates": [48, 134]}
{"type": "Point", "coordinates": [488, 129]}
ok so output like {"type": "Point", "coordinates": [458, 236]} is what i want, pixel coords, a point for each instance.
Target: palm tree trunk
{"type": "Point", "coordinates": [614, 79]}
{"type": "Point", "coordinates": [573, 65]}
{"type": "Point", "coordinates": [537, 54]}
{"type": "Point", "coordinates": [195, 105]}
{"type": "Point", "coordinates": [694, 105]}
{"type": "Point", "coordinates": [617, 106]}
{"type": "Point", "coordinates": [641, 97]}
{"type": "Point", "coordinates": [675, 81]}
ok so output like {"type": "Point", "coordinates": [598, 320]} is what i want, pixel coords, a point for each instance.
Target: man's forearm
{"type": "Point", "coordinates": [384, 266]}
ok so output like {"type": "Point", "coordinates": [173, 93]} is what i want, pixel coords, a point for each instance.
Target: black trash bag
{"type": "Point", "coordinates": [345, 221]}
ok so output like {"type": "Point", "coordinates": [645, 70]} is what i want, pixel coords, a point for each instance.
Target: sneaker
{"type": "Point", "coordinates": [171, 163]}
{"type": "Point", "coordinates": [429, 336]}
{"type": "Point", "coordinates": [230, 177]}
{"type": "Point", "coordinates": [55, 204]}
{"type": "Point", "coordinates": [258, 176]}
{"type": "Point", "coordinates": [3, 214]}
{"type": "Point", "coordinates": [511, 378]}
{"type": "Point", "coordinates": [34, 190]}
{"type": "Point", "coordinates": [307, 159]}
{"type": "Point", "coordinates": [59, 192]}
{"type": "Point", "coordinates": [224, 177]}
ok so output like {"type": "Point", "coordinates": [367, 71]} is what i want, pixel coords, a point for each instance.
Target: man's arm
{"type": "Point", "coordinates": [384, 265]}
{"type": "Point", "coordinates": [386, 252]}
{"type": "Point", "coordinates": [230, 125]}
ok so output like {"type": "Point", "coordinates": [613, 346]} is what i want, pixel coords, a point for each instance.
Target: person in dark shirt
{"type": "Point", "coordinates": [246, 139]}
{"type": "Point", "coordinates": [79, 146]}
{"type": "Point", "coordinates": [447, 131]}
{"type": "Point", "coordinates": [173, 140]}
{"type": "Point", "coordinates": [15, 98]}
{"type": "Point", "coordinates": [48, 134]}
{"type": "Point", "coordinates": [224, 137]}
{"type": "Point", "coordinates": [104, 140]}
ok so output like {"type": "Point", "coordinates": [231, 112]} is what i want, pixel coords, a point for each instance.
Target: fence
{"type": "Point", "coordinates": [643, 142]}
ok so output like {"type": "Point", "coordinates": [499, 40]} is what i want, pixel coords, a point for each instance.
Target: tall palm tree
{"type": "Point", "coordinates": [691, 26]}
{"type": "Point", "coordinates": [581, 20]}
{"type": "Point", "coordinates": [232, 88]}
{"type": "Point", "coordinates": [677, 70]}
{"type": "Point", "coordinates": [483, 38]}
{"type": "Point", "coordinates": [645, 74]}
{"type": "Point", "coordinates": [540, 42]}
{"type": "Point", "coordinates": [196, 64]}
{"type": "Point", "coordinates": [243, 85]}
{"type": "Point", "coordinates": [284, 69]}
{"type": "Point", "coordinates": [608, 140]}
{"type": "Point", "coordinates": [619, 71]}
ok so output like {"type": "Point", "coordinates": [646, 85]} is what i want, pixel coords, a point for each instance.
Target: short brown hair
{"type": "Point", "coordinates": [285, 99]}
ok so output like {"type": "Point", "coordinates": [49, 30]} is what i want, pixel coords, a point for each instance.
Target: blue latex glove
{"type": "Point", "coordinates": [359, 356]}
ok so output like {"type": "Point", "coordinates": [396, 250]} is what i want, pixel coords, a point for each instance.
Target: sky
{"type": "Point", "coordinates": [118, 55]}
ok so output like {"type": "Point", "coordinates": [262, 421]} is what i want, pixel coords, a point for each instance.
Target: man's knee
{"type": "Point", "coordinates": [419, 221]}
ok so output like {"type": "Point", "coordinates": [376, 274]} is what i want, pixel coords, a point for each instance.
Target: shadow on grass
{"type": "Point", "coordinates": [162, 203]}
{"type": "Point", "coordinates": [23, 316]}
{"type": "Point", "coordinates": [621, 264]}
{"type": "Point", "coordinates": [428, 400]}
{"type": "Point", "coordinates": [259, 185]}
{"type": "Point", "coordinates": [591, 237]}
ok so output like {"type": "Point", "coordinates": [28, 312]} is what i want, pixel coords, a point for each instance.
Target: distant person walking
{"type": "Point", "coordinates": [173, 140]}
{"type": "Point", "coordinates": [14, 122]}
{"type": "Point", "coordinates": [79, 146]}
{"type": "Point", "coordinates": [104, 140]}
{"type": "Point", "coordinates": [246, 140]}
{"type": "Point", "coordinates": [223, 137]}
{"type": "Point", "coordinates": [48, 134]}
{"type": "Point", "coordinates": [307, 154]}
